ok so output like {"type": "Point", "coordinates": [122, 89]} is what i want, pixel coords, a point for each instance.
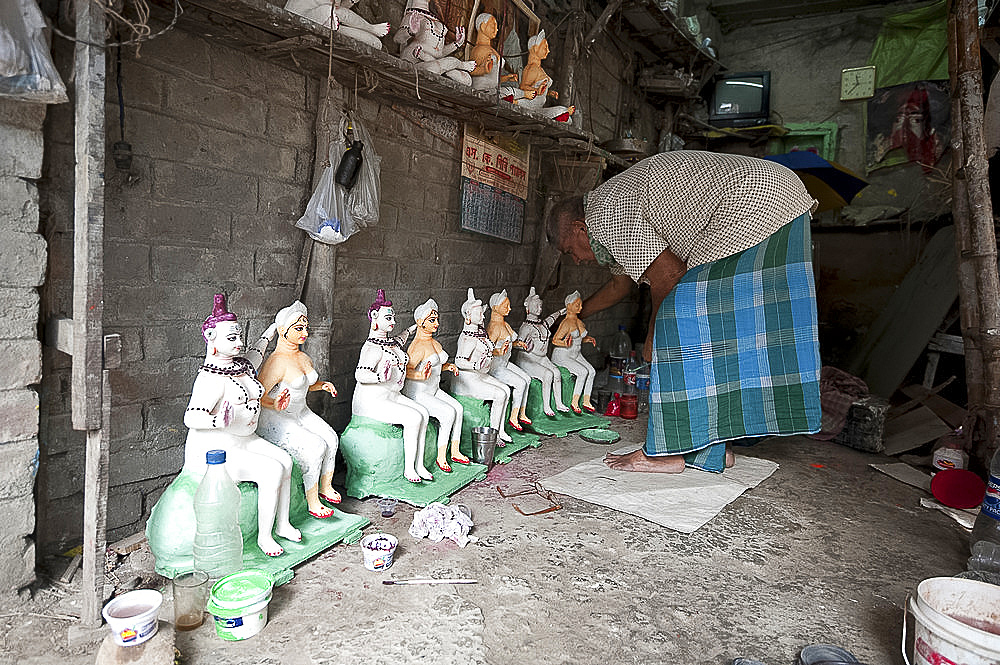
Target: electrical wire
{"type": "Point", "coordinates": [178, 10]}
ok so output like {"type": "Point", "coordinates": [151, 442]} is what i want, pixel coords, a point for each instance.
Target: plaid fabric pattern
{"type": "Point", "coordinates": [736, 352]}
{"type": "Point", "coordinates": [703, 206]}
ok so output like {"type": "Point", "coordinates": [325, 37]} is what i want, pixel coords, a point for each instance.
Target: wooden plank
{"type": "Point", "coordinates": [95, 504]}
{"type": "Point", "coordinates": [912, 430]}
{"type": "Point", "coordinates": [88, 217]}
{"type": "Point", "coordinates": [59, 334]}
{"type": "Point", "coordinates": [944, 409]}
{"type": "Point", "coordinates": [901, 332]}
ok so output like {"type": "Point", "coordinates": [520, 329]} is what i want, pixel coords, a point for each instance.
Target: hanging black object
{"type": "Point", "coordinates": [350, 166]}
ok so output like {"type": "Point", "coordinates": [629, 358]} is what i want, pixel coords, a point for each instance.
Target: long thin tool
{"type": "Point", "coordinates": [442, 580]}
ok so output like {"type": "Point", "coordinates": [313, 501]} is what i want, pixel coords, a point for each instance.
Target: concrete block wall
{"type": "Point", "coordinates": [23, 255]}
{"type": "Point", "coordinates": [223, 165]}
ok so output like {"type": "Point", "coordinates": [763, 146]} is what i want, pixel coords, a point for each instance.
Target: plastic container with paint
{"type": "Point", "coordinates": [238, 604]}
{"type": "Point", "coordinates": [378, 549]}
{"type": "Point", "coordinates": [957, 621]}
{"type": "Point", "coordinates": [133, 616]}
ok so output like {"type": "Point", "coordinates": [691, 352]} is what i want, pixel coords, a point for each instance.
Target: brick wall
{"type": "Point", "coordinates": [223, 165]}
{"type": "Point", "coordinates": [23, 255]}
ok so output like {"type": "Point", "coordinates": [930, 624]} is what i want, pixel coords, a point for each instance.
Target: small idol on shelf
{"type": "Point", "coordinates": [346, 21]}
{"type": "Point", "coordinates": [534, 359]}
{"type": "Point", "coordinates": [422, 39]}
{"type": "Point", "coordinates": [486, 75]}
{"type": "Point", "coordinates": [474, 357]}
{"type": "Point", "coordinates": [535, 86]}
{"type": "Point", "coordinates": [504, 341]}
{"type": "Point", "coordinates": [222, 414]}
{"type": "Point", "coordinates": [286, 421]}
{"type": "Point", "coordinates": [380, 375]}
{"type": "Point", "coordinates": [567, 344]}
{"type": "Point", "coordinates": [423, 384]}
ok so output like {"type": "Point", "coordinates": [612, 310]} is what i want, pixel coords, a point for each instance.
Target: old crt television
{"type": "Point", "coordinates": [740, 99]}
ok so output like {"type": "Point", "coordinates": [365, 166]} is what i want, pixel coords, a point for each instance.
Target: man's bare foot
{"type": "Point", "coordinates": [730, 457]}
{"type": "Point", "coordinates": [639, 461]}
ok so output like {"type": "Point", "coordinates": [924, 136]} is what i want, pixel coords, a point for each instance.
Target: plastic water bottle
{"type": "Point", "coordinates": [642, 387]}
{"type": "Point", "coordinates": [987, 526]}
{"type": "Point", "coordinates": [630, 374]}
{"type": "Point", "coordinates": [218, 542]}
{"type": "Point", "coordinates": [621, 346]}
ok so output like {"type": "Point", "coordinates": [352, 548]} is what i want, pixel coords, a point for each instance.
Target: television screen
{"type": "Point", "coordinates": [741, 100]}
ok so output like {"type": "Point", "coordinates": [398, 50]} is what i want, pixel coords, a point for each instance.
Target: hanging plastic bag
{"type": "Point", "coordinates": [326, 218]}
{"type": "Point", "coordinates": [363, 202]}
{"type": "Point", "coordinates": [26, 69]}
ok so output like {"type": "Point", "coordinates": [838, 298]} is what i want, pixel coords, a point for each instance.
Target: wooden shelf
{"type": "Point", "coordinates": [662, 35]}
{"type": "Point", "coordinates": [270, 31]}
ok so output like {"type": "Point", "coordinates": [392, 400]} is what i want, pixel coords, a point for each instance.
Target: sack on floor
{"type": "Point", "coordinates": [26, 69]}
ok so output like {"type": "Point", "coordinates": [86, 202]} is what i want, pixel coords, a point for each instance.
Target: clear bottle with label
{"type": "Point", "coordinates": [987, 525]}
{"type": "Point", "coordinates": [218, 541]}
{"type": "Point", "coordinates": [621, 346]}
{"type": "Point", "coordinates": [630, 374]}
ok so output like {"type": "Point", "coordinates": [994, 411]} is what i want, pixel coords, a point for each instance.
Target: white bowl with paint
{"type": "Point", "coordinates": [134, 616]}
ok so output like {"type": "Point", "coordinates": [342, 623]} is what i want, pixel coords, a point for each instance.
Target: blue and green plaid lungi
{"type": "Point", "coordinates": [736, 352]}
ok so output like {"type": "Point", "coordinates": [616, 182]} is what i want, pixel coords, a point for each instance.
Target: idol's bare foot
{"type": "Point", "coordinates": [639, 461]}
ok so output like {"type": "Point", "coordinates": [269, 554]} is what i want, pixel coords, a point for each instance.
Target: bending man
{"type": "Point", "coordinates": [723, 242]}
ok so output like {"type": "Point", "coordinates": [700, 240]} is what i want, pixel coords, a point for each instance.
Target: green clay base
{"type": "Point", "coordinates": [560, 424]}
{"type": "Point", "coordinates": [373, 451]}
{"type": "Point", "coordinates": [477, 414]}
{"type": "Point", "coordinates": [171, 527]}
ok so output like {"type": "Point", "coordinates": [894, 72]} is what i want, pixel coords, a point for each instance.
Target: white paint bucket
{"type": "Point", "coordinates": [378, 549]}
{"type": "Point", "coordinates": [238, 604]}
{"type": "Point", "coordinates": [957, 622]}
{"type": "Point", "coordinates": [134, 616]}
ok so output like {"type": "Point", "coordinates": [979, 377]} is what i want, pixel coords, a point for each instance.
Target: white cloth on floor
{"type": "Point", "coordinates": [438, 521]}
{"type": "Point", "coordinates": [683, 502]}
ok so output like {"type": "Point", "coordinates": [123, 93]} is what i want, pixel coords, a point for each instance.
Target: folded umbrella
{"type": "Point", "coordinates": [833, 185]}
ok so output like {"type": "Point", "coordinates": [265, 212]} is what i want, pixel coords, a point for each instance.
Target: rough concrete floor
{"type": "Point", "coordinates": [825, 550]}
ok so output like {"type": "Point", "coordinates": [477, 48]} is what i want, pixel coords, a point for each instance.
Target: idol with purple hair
{"type": "Point", "coordinates": [222, 415]}
{"type": "Point", "coordinates": [380, 374]}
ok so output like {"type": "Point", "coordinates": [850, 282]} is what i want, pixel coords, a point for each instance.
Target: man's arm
{"type": "Point", "coordinates": [608, 295]}
{"type": "Point", "coordinates": [662, 274]}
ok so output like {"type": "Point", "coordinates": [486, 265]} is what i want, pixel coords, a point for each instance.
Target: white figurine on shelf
{"type": "Point", "coordinates": [504, 342]}
{"type": "Point", "coordinates": [474, 357]}
{"type": "Point", "coordinates": [222, 414]}
{"type": "Point", "coordinates": [346, 21]}
{"type": "Point", "coordinates": [423, 384]}
{"type": "Point", "coordinates": [286, 421]}
{"type": "Point", "coordinates": [534, 359]}
{"type": "Point", "coordinates": [380, 374]}
{"type": "Point", "coordinates": [422, 40]}
{"type": "Point", "coordinates": [568, 343]}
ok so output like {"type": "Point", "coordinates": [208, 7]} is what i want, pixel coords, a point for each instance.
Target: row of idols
{"type": "Point", "coordinates": [422, 39]}
{"type": "Point", "coordinates": [255, 409]}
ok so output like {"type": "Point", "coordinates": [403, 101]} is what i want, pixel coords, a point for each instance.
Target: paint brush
{"type": "Point", "coordinates": [443, 580]}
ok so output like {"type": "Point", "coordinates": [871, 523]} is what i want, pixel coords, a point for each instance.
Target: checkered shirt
{"type": "Point", "coordinates": [703, 206]}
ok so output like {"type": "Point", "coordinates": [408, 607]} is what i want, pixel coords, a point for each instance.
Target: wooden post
{"type": "Point", "coordinates": [91, 396]}
{"type": "Point", "coordinates": [571, 55]}
{"type": "Point", "coordinates": [973, 212]}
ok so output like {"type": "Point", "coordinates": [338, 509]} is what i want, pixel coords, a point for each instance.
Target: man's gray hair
{"type": "Point", "coordinates": [563, 213]}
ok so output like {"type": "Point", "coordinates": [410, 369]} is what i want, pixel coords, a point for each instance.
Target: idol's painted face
{"type": "Point", "coordinates": [228, 340]}
{"type": "Point", "coordinates": [534, 306]}
{"type": "Point", "coordinates": [431, 323]}
{"type": "Point", "coordinates": [298, 332]}
{"type": "Point", "coordinates": [476, 314]}
{"type": "Point", "coordinates": [385, 319]}
{"type": "Point", "coordinates": [575, 306]}
{"type": "Point", "coordinates": [503, 309]}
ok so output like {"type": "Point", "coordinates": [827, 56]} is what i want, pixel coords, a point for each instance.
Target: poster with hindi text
{"type": "Point", "coordinates": [494, 187]}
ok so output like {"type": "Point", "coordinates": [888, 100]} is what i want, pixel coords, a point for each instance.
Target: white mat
{"type": "Point", "coordinates": [683, 502]}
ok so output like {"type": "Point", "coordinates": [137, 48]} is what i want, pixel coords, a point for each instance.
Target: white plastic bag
{"type": "Point", "coordinates": [333, 214]}
{"type": "Point", "coordinates": [26, 69]}
{"type": "Point", "coordinates": [363, 202]}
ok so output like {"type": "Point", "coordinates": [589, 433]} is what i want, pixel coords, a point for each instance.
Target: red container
{"type": "Point", "coordinates": [629, 406]}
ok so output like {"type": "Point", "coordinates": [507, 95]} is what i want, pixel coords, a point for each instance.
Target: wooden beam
{"type": "Point", "coordinates": [88, 219]}
{"type": "Point", "coordinates": [601, 23]}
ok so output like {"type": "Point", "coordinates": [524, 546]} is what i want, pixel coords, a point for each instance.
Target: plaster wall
{"type": "Point", "coordinates": [223, 165]}
{"type": "Point", "coordinates": [857, 269]}
{"type": "Point", "coordinates": [23, 254]}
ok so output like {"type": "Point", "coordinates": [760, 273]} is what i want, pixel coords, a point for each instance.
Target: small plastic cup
{"type": "Point", "coordinates": [191, 591]}
{"type": "Point", "coordinates": [387, 506]}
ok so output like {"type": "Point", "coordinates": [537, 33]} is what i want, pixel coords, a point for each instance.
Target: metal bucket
{"type": "Point", "coordinates": [484, 442]}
